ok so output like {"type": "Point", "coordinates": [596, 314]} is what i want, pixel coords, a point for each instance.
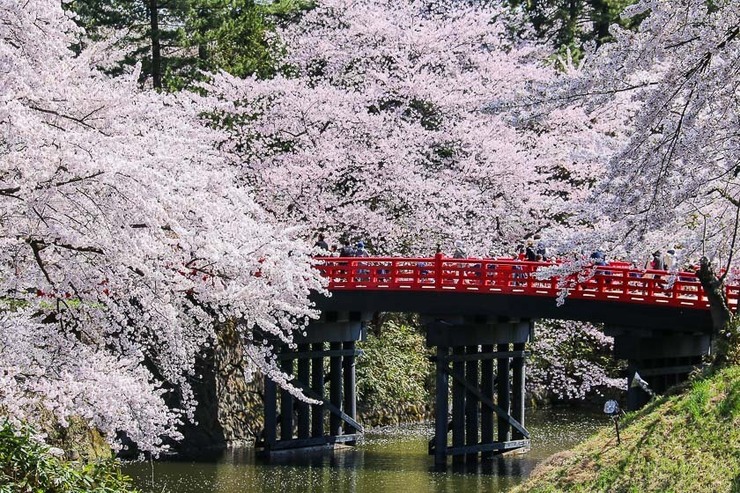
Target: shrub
{"type": "Point", "coordinates": [29, 466]}
{"type": "Point", "coordinates": [394, 374]}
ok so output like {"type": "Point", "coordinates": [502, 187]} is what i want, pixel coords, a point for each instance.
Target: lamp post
{"type": "Point", "coordinates": [611, 408]}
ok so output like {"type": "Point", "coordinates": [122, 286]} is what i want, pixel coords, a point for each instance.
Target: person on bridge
{"type": "Point", "coordinates": [529, 253]}
{"type": "Point", "coordinates": [598, 257]}
{"type": "Point", "coordinates": [347, 250]}
{"type": "Point", "coordinates": [669, 259]}
{"type": "Point", "coordinates": [541, 249]}
{"type": "Point", "coordinates": [360, 250]}
{"type": "Point", "coordinates": [520, 252]}
{"type": "Point", "coordinates": [657, 262]}
{"type": "Point", "coordinates": [321, 243]}
{"type": "Point", "coordinates": [459, 250]}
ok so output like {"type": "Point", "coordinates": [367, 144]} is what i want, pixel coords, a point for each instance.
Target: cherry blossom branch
{"type": "Point", "coordinates": [80, 121]}
{"type": "Point", "coordinates": [36, 247]}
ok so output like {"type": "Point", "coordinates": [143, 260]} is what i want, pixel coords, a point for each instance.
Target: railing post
{"type": "Point", "coordinates": [351, 273]}
{"type": "Point", "coordinates": [438, 270]}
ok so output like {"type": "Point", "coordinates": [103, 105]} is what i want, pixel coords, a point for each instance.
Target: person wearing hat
{"type": "Point", "coordinates": [360, 250]}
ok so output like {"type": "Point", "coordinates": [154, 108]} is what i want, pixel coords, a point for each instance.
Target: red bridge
{"type": "Point", "coordinates": [618, 282]}
{"type": "Point", "coordinates": [479, 314]}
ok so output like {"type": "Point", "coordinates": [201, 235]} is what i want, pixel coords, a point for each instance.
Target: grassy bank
{"type": "Point", "coordinates": [686, 442]}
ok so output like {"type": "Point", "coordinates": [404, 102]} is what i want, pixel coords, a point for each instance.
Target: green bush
{"type": "Point", "coordinates": [28, 466]}
{"type": "Point", "coordinates": [394, 374]}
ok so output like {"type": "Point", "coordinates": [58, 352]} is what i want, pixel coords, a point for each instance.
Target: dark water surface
{"type": "Point", "coordinates": [391, 460]}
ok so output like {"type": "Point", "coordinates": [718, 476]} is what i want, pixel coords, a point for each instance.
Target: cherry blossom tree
{"type": "Point", "coordinates": [124, 239]}
{"type": "Point", "coordinates": [674, 184]}
{"type": "Point", "coordinates": [378, 133]}
{"type": "Point", "coordinates": [571, 360]}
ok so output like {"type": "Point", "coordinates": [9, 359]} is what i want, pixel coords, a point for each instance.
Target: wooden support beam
{"type": "Point", "coordinates": [501, 413]}
{"type": "Point", "coordinates": [304, 416]}
{"type": "Point", "coordinates": [472, 403]}
{"type": "Point", "coordinates": [315, 442]}
{"type": "Point", "coordinates": [441, 408]}
{"type": "Point", "coordinates": [518, 396]}
{"type": "Point", "coordinates": [483, 447]}
{"type": "Point", "coordinates": [332, 408]}
{"type": "Point", "coordinates": [486, 386]}
{"type": "Point", "coordinates": [458, 400]}
{"type": "Point", "coordinates": [317, 386]}
{"type": "Point", "coordinates": [350, 395]}
{"type": "Point", "coordinates": [319, 353]}
{"type": "Point", "coordinates": [503, 385]}
{"type": "Point", "coordinates": [335, 389]}
{"type": "Point", "coordinates": [488, 355]}
{"type": "Point", "coordinates": [270, 430]}
{"type": "Point", "coordinates": [286, 405]}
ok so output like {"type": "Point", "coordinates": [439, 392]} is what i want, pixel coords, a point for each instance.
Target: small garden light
{"type": "Point", "coordinates": [611, 408]}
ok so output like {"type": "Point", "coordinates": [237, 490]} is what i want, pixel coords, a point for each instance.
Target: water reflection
{"type": "Point", "coordinates": [390, 460]}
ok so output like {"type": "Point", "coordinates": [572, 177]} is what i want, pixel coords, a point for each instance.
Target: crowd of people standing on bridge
{"type": "Point", "coordinates": [532, 250]}
{"type": "Point", "coordinates": [347, 249]}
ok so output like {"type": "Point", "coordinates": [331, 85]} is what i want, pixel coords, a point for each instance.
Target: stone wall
{"type": "Point", "coordinates": [239, 406]}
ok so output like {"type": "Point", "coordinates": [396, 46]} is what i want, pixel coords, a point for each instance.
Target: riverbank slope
{"type": "Point", "coordinates": [685, 442]}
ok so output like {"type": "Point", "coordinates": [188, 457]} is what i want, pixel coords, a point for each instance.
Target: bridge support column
{"type": "Point", "coordinates": [465, 354]}
{"type": "Point", "coordinates": [503, 384]}
{"type": "Point", "coordinates": [518, 396]}
{"type": "Point", "coordinates": [338, 331]}
{"type": "Point", "coordinates": [661, 359]}
{"type": "Point", "coordinates": [487, 387]}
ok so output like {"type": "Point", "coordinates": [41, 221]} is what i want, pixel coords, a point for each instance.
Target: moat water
{"type": "Point", "coordinates": [391, 460]}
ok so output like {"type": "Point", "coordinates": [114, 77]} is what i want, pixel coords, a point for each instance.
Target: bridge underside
{"type": "Point", "coordinates": [485, 361]}
{"type": "Point", "coordinates": [293, 424]}
{"type": "Point", "coordinates": [660, 359]}
{"type": "Point", "coordinates": [634, 315]}
{"type": "Point", "coordinates": [480, 364]}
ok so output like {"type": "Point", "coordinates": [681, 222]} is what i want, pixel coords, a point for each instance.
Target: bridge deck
{"type": "Point", "coordinates": [615, 282]}
{"type": "Point", "coordinates": [614, 294]}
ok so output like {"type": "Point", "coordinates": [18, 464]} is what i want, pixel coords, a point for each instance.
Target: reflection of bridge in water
{"type": "Point", "coordinates": [479, 313]}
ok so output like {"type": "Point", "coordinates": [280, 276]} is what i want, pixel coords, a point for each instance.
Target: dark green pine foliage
{"type": "Point", "coordinates": [238, 36]}
{"type": "Point", "coordinates": [177, 41]}
{"type": "Point", "coordinates": [568, 24]}
{"type": "Point", "coordinates": [148, 30]}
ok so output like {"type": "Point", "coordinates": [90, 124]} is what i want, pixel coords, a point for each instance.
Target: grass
{"type": "Point", "coordinates": [687, 442]}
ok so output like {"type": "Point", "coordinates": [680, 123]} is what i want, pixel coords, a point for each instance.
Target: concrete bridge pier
{"type": "Point", "coordinates": [481, 360]}
{"type": "Point", "coordinates": [291, 423]}
{"type": "Point", "coordinates": [661, 358]}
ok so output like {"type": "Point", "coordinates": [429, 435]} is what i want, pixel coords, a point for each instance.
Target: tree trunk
{"type": "Point", "coordinates": [714, 289]}
{"type": "Point", "coordinates": [156, 48]}
{"type": "Point", "coordinates": [601, 20]}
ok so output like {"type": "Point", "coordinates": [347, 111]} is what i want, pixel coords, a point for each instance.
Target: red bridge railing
{"type": "Point", "coordinates": [613, 282]}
